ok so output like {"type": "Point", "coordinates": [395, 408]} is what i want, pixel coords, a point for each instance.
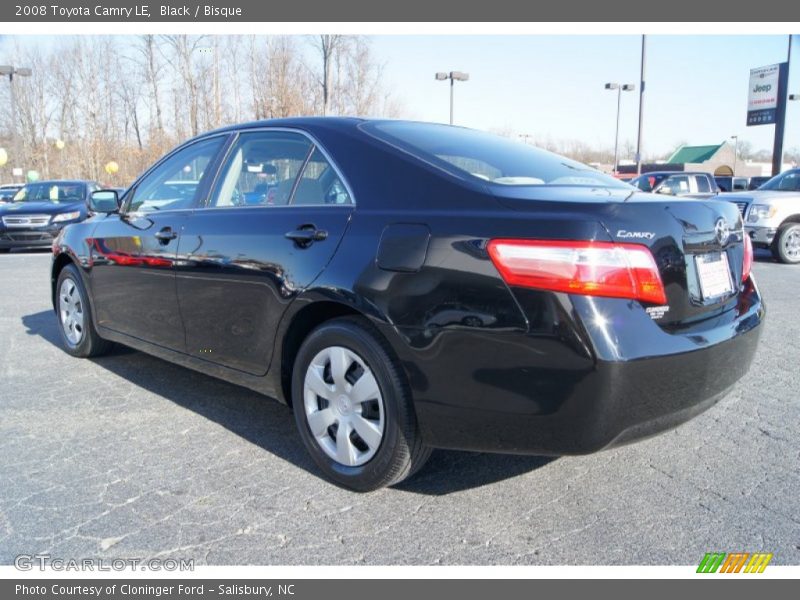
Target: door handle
{"type": "Point", "coordinates": [305, 235]}
{"type": "Point", "coordinates": [166, 235]}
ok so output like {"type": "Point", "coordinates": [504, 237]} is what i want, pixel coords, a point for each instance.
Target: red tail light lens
{"type": "Point", "coordinates": [588, 268]}
{"type": "Point", "coordinates": [747, 265]}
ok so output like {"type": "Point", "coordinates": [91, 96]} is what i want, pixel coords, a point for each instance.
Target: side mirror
{"type": "Point", "coordinates": [104, 201]}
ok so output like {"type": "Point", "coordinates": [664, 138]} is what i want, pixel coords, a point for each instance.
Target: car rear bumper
{"type": "Point", "coordinates": [567, 391]}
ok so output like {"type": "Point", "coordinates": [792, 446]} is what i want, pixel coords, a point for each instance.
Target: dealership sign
{"type": "Point", "coordinates": [762, 97]}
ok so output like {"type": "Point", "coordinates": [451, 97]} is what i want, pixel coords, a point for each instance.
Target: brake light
{"type": "Point", "coordinates": [580, 267]}
{"type": "Point", "coordinates": [747, 264]}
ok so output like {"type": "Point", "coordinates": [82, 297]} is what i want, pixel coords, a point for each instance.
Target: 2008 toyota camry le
{"type": "Point", "coordinates": [406, 286]}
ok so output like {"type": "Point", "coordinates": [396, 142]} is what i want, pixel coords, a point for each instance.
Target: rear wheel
{"type": "Point", "coordinates": [353, 408]}
{"type": "Point", "coordinates": [786, 247]}
{"type": "Point", "coordinates": [5, 250]}
{"type": "Point", "coordinates": [78, 334]}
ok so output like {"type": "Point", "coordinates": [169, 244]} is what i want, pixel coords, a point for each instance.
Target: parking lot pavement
{"type": "Point", "coordinates": [128, 456]}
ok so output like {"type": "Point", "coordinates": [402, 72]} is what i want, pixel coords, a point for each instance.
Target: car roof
{"type": "Point", "coordinates": [294, 122]}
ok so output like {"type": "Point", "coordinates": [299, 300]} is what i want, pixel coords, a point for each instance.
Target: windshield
{"type": "Point", "coordinates": [52, 192]}
{"type": "Point", "coordinates": [649, 181]}
{"type": "Point", "coordinates": [785, 182]}
{"type": "Point", "coordinates": [487, 157]}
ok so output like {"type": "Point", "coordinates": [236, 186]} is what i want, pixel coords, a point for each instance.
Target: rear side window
{"type": "Point", "coordinates": [702, 184]}
{"type": "Point", "coordinates": [485, 157]}
{"type": "Point", "coordinates": [320, 184]}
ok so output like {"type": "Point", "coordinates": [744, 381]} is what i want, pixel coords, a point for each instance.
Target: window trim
{"type": "Point", "coordinates": [315, 145]}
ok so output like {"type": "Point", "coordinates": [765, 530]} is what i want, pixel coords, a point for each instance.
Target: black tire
{"type": "Point", "coordinates": [780, 249]}
{"type": "Point", "coordinates": [5, 250]}
{"type": "Point", "coordinates": [89, 343]}
{"type": "Point", "coordinates": [401, 451]}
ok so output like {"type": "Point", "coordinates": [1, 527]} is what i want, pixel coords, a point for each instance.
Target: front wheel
{"type": "Point", "coordinates": [786, 247]}
{"type": "Point", "coordinates": [78, 334]}
{"type": "Point", "coordinates": [353, 408]}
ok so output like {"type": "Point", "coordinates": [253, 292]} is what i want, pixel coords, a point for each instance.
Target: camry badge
{"type": "Point", "coordinates": [641, 235]}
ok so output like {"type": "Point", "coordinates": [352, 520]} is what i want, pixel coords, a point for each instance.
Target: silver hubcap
{"type": "Point", "coordinates": [344, 406]}
{"type": "Point", "coordinates": [70, 310]}
{"type": "Point", "coordinates": [791, 243]}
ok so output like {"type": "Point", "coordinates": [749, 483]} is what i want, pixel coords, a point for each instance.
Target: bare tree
{"type": "Point", "coordinates": [183, 58]}
{"type": "Point", "coordinates": [328, 46]}
{"type": "Point", "coordinates": [146, 47]}
{"type": "Point", "coordinates": [128, 99]}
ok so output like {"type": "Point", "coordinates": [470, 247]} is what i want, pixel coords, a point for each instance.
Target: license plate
{"type": "Point", "coordinates": [714, 274]}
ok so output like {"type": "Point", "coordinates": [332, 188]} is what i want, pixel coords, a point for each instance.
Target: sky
{"type": "Point", "coordinates": [553, 86]}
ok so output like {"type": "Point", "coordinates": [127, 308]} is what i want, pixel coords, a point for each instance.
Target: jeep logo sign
{"type": "Point", "coordinates": [762, 98]}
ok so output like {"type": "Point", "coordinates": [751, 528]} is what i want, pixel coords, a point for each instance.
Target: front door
{"type": "Point", "coordinates": [271, 224]}
{"type": "Point", "coordinates": [133, 254]}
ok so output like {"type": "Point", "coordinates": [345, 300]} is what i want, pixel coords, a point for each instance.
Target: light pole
{"type": "Point", "coordinates": [620, 87]}
{"type": "Point", "coordinates": [11, 71]}
{"type": "Point", "coordinates": [525, 137]}
{"type": "Point", "coordinates": [641, 109]}
{"type": "Point", "coordinates": [453, 76]}
{"type": "Point", "coordinates": [735, 139]}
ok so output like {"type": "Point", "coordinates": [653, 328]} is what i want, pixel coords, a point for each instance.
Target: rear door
{"type": "Point", "coordinates": [133, 254]}
{"type": "Point", "coordinates": [273, 220]}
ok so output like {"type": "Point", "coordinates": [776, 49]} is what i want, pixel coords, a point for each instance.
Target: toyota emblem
{"type": "Point", "coordinates": [722, 230]}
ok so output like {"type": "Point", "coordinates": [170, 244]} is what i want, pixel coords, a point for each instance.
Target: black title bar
{"type": "Point", "coordinates": [408, 10]}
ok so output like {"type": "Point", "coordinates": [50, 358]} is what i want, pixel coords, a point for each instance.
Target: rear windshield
{"type": "Point", "coordinates": [487, 157]}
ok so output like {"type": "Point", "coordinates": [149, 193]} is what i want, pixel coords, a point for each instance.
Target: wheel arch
{"type": "Point", "coordinates": [302, 322]}
{"type": "Point", "coordinates": [790, 219]}
{"type": "Point", "coordinates": [59, 262]}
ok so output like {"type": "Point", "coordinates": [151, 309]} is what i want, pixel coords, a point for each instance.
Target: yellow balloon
{"type": "Point", "coordinates": [3, 157]}
{"type": "Point", "coordinates": [112, 167]}
{"type": "Point", "coordinates": [60, 144]}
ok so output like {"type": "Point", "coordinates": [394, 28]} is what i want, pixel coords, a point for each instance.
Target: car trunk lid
{"type": "Point", "coordinates": [698, 245]}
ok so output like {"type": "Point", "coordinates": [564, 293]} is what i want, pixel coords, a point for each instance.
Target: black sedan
{"type": "Point", "coordinates": [40, 210]}
{"type": "Point", "coordinates": [405, 286]}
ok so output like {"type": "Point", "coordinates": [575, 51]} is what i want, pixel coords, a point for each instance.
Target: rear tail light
{"type": "Point", "coordinates": [747, 264]}
{"type": "Point", "coordinates": [588, 268]}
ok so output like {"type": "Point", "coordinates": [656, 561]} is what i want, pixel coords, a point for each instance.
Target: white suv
{"type": "Point", "coordinates": [772, 215]}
